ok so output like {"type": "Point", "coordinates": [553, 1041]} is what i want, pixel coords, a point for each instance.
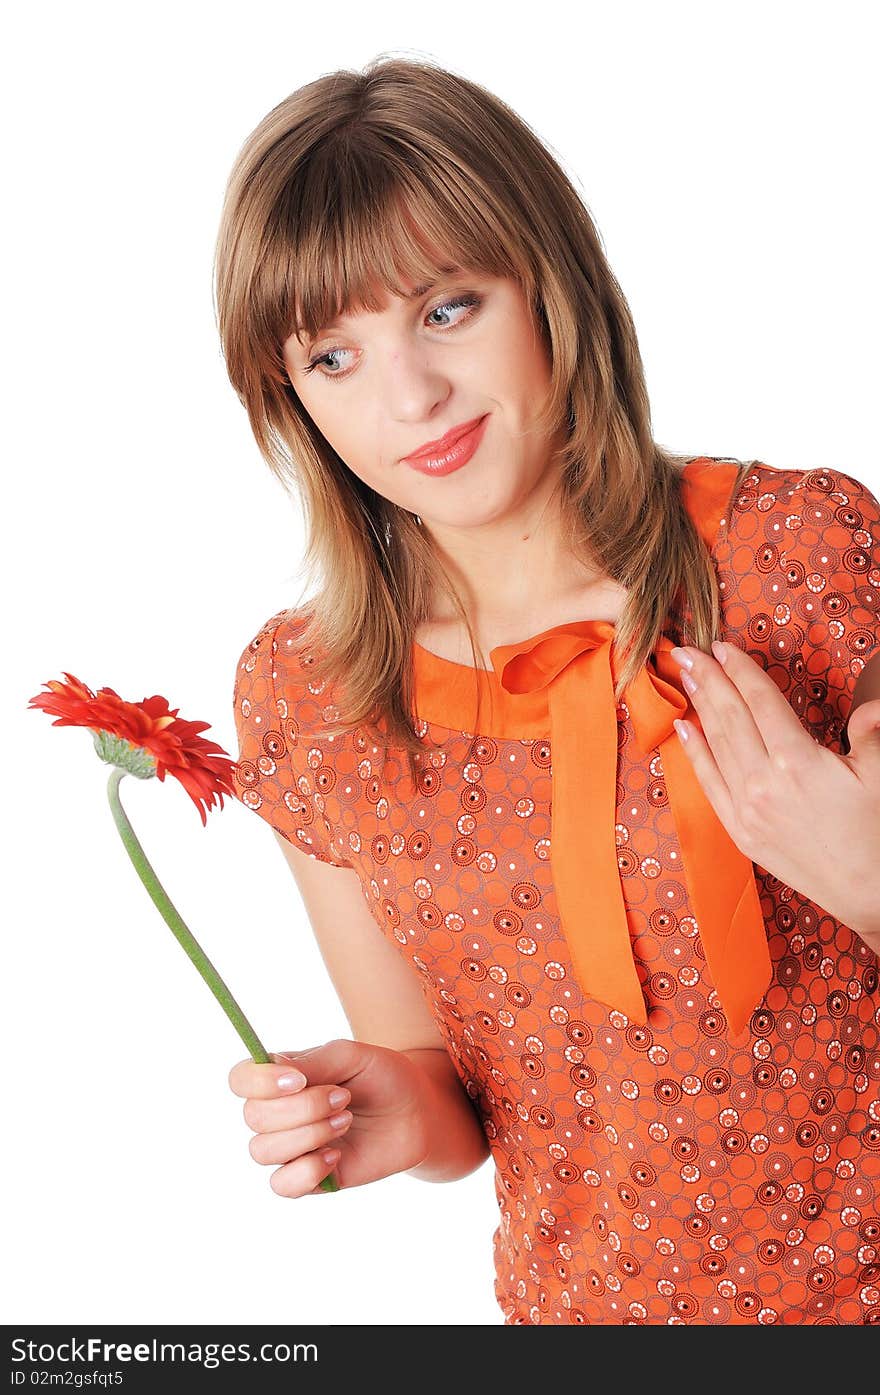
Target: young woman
{"type": "Point", "coordinates": [638, 971]}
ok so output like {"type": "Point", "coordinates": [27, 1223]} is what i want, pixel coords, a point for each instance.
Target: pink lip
{"type": "Point", "coordinates": [433, 449]}
{"type": "Point", "coordinates": [452, 450]}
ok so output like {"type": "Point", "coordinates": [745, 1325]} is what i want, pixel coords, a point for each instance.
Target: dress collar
{"type": "Point", "coordinates": [561, 682]}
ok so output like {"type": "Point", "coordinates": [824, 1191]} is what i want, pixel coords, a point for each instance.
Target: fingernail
{"type": "Point", "coordinates": [719, 651]}
{"type": "Point", "coordinates": [682, 729]}
{"type": "Point", "coordinates": [294, 1080]}
{"type": "Point", "coordinates": [338, 1097]}
{"type": "Point", "coordinates": [681, 657]}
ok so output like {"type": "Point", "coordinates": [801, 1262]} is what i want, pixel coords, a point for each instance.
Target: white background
{"type": "Point", "coordinates": [727, 155]}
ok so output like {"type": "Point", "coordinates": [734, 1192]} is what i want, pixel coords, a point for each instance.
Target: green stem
{"type": "Point", "coordinates": [178, 928]}
{"type": "Point", "coordinates": [188, 941]}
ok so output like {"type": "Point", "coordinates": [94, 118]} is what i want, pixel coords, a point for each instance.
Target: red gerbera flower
{"type": "Point", "coordinates": [144, 738]}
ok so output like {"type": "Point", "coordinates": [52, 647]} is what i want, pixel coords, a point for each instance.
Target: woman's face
{"type": "Point", "coordinates": [384, 384]}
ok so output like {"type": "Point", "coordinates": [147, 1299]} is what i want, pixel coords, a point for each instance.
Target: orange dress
{"type": "Point", "coordinates": [674, 1055]}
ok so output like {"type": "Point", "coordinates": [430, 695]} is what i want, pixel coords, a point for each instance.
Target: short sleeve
{"type": "Point", "coordinates": [273, 773]}
{"type": "Point", "coordinates": [834, 561]}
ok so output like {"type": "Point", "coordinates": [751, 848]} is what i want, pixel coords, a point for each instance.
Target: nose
{"type": "Point", "coordinates": [414, 385]}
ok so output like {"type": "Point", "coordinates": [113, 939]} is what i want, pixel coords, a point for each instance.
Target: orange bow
{"type": "Point", "coordinates": [576, 663]}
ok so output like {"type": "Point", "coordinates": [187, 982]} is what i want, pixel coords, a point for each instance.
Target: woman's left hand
{"type": "Point", "coordinates": [805, 814]}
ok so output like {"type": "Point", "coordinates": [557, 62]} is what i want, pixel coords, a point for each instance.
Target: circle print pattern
{"type": "Point", "coordinates": [660, 1173]}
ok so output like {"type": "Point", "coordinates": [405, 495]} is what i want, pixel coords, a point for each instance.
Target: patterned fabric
{"type": "Point", "coordinates": [672, 1170]}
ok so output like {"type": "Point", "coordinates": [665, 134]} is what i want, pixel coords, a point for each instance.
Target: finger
{"type": "Point", "coordinates": [304, 1175]}
{"type": "Point", "coordinates": [266, 1148]}
{"type": "Point", "coordinates": [709, 775]}
{"type": "Point", "coordinates": [292, 1111]}
{"type": "Point", "coordinates": [727, 723]}
{"type": "Point", "coordinates": [249, 1080]}
{"type": "Point", "coordinates": [336, 1060]}
{"type": "Point", "coordinates": [775, 720]}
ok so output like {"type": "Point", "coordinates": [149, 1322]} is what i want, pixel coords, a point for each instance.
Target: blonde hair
{"type": "Point", "coordinates": [349, 184]}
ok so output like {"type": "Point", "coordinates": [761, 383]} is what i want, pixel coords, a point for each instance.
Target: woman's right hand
{"type": "Point", "coordinates": [384, 1127]}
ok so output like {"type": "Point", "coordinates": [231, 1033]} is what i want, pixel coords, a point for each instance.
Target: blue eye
{"type": "Point", "coordinates": [455, 304]}
{"type": "Point", "coordinates": [468, 301]}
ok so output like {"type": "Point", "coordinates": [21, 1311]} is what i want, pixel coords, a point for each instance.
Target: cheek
{"type": "Point", "coordinates": [525, 369]}
{"type": "Point", "coordinates": [353, 430]}
{"type": "Point", "coordinates": [365, 454]}
{"type": "Point", "coordinates": [339, 429]}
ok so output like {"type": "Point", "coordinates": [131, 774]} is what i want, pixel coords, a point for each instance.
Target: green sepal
{"type": "Point", "coordinates": [115, 750]}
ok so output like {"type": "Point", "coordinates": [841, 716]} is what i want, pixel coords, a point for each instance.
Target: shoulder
{"type": "Point", "coordinates": [812, 495]}
{"type": "Point", "coordinates": [709, 484]}
{"type": "Point", "coordinates": [277, 654]}
{"type": "Point", "coordinates": [279, 672]}
{"type": "Point", "coordinates": [801, 584]}
{"type": "Point", "coordinates": [283, 771]}
{"type": "Point", "coordinates": [778, 513]}
{"type": "Point", "coordinates": [840, 500]}
{"type": "Point", "coordinates": [819, 528]}
{"type": "Point", "coordinates": [289, 624]}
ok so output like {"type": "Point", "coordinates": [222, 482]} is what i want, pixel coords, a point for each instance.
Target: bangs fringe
{"type": "Point", "coordinates": [363, 222]}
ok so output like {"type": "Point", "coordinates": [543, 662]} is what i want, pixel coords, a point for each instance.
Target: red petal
{"type": "Point", "coordinates": [202, 767]}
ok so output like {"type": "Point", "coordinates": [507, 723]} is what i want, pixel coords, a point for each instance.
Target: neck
{"type": "Point", "coordinates": [511, 569]}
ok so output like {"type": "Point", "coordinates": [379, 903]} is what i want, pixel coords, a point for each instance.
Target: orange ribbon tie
{"type": "Point", "coordinates": [576, 664]}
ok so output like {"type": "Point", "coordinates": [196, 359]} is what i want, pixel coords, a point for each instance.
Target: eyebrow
{"type": "Point", "coordinates": [411, 295]}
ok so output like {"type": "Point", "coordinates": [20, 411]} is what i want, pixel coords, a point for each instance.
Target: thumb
{"type": "Point", "coordinates": [280, 1057]}
{"type": "Point", "coordinates": [330, 1063]}
{"type": "Point", "coordinates": [863, 730]}
{"type": "Point", "coordinates": [283, 1058]}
